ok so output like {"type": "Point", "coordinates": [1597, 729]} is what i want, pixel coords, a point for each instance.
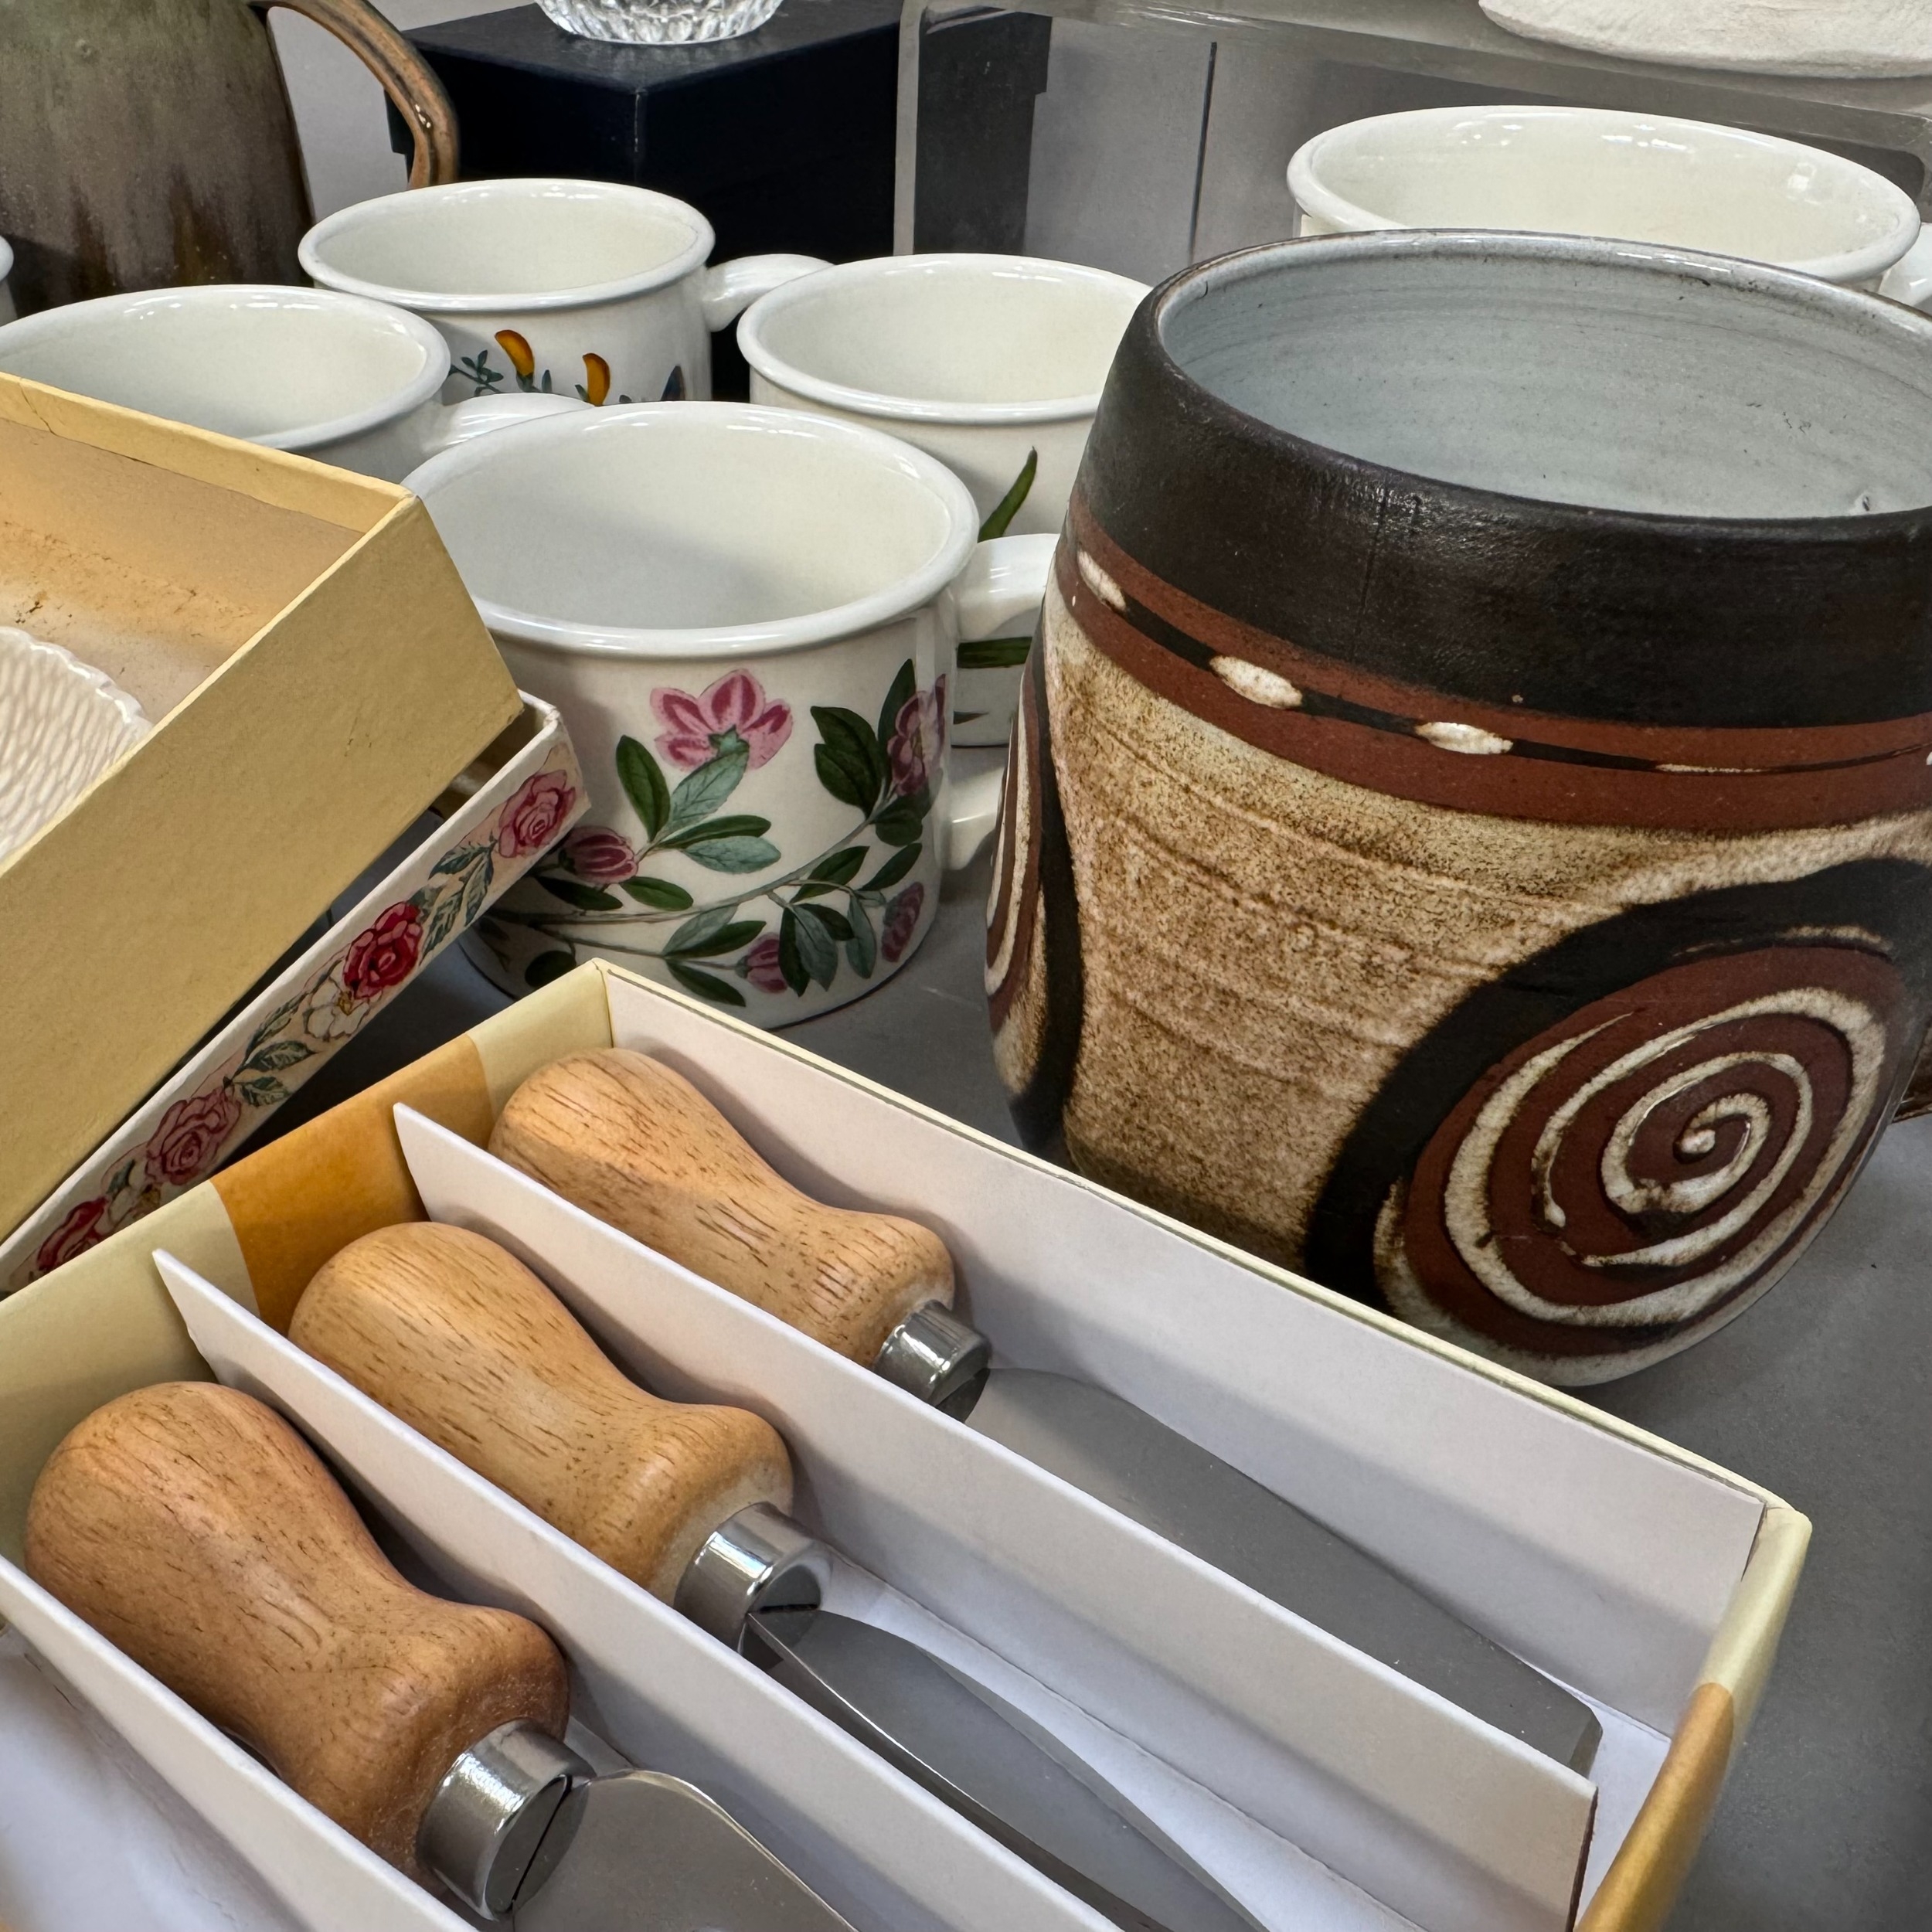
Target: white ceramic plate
{"type": "Point", "coordinates": [1861, 39]}
{"type": "Point", "coordinates": [62, 724]}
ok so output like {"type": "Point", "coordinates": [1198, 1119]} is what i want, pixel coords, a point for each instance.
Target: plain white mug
{"type": "Point", "coordinates": [1644, 177]}
{"type": "Point", "coordinates": [749, 618]}
{"type": "Point", "coordinates": [345, 380]}
{"type": "Point", "coordinates": [992, 363]}
{"type": "Point", "coordinates": [584, 288]}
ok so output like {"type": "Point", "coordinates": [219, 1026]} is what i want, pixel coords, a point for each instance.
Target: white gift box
{"type": "Point", "coordinates": [1316, 1785]}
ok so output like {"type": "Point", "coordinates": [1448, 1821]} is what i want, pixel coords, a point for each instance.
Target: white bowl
{"type": "Point", "coordinates": [1588, 170]}
{"type": "Point", "coordinates": [62, 724]}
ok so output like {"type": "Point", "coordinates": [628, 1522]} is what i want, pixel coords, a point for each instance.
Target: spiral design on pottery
{"type": "Point", "coordinates": [1653, 1154]}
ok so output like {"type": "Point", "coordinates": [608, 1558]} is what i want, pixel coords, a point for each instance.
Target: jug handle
{"type": "Point", "coordinates": [405, 76]}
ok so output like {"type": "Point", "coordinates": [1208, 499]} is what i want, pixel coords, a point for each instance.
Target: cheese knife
{"type": "Point", "coordinates": [630, 1140]}
{"type": "Point", "coordinates": [454, 1336]}
{"type": "Point", "coordinates": [192, 1526]}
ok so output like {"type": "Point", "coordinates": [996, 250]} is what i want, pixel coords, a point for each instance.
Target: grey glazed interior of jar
{"type": "Point", "coordinates": [1573, 371]}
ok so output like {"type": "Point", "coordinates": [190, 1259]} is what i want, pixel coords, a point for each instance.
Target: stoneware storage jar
{"type": "Point", "coordinates": [1470, 833]}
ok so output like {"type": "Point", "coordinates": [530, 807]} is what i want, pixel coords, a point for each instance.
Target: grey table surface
{"type": "Point", "coordinates": [1820, 1393]}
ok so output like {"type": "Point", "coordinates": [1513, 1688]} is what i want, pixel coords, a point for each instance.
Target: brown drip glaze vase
{"type": "Point", "coordinates": [1468, 837]}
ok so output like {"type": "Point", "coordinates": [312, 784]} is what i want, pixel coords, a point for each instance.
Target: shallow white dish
{"type": "Point", "coordinates": [1858, 39]}
{"type": "Point", "coordinates": [62, 724]}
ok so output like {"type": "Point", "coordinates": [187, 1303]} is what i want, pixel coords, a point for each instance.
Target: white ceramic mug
{"type": "Point", "coordinates": [7, 310]}
{"type": "Point", "coordinates": [1590, 170]}
{"type": "Point", "coordinates": [992, 363]}
{"type": "Point", "coordinates": [748, 618]}
{"type": "Point", "coordinates": [587, 288]}
{"type": "Point", "coordinates": [347, 381]}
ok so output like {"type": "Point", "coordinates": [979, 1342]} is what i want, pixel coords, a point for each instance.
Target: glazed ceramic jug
{"type": "Point", "coordinates": [146, 146]}
{"type": "Point", "coordinates": [1470, 833]}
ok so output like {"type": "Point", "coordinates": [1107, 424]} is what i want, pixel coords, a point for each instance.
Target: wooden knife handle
{"type": "Point", "coordinates": [638, 1145]}
{"type": "Point", "coordinates": [455, 1335]}
{"type": "Point", "coordinates": [191, 1526]}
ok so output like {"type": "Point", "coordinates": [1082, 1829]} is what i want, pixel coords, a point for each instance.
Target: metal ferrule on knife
{"type": "Point", "coordinates": [934, 1355]}
{"type": "Point", "coordinates": [522, 1830]}
{"type": "Point", "coordinates": [758, 1560]}
{"type": "Point", "coordinates": [487, 1834]}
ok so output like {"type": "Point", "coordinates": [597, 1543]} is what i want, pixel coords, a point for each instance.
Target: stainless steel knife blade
{"type": "Point", "coordinates": [990, 1763]}
{"type": "Point", "coordinates": [1121, 1455]}
{"type": "Point", "coordinates": [642, 1853]}
{"type": "Point", "coordinates": [522, 1829]}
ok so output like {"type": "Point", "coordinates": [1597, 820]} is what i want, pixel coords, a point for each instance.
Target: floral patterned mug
{"type": "Point", "coordinates": [751, 619]}
{"type": "Point", "coordinates": [992, 363]}
{"type": "Point", "coordinates": [584, 288]}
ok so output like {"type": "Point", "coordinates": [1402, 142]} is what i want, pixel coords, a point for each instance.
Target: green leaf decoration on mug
{"type": "Point", "coordinates": [660, 894]}
{"type": "Point", "coordinates": [644, 785]}
{"type": "Point", "coordinates": [850, 767]}
{"type": "Point", "coordinates": [828, 917]}
{"type": "Point", "coordinates": [994, 654]}
{"type": "Point", "coordinates": [999, 518]}
{"type": "Point", "coordinates": [476, 368]}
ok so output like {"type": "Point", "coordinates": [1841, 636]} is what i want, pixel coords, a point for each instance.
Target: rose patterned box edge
{"type": "Point", "coordinates": [291, 1027]}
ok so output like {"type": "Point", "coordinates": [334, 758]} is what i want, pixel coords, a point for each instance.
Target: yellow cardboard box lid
{"type": "Point", "coordinates": [316, 673]}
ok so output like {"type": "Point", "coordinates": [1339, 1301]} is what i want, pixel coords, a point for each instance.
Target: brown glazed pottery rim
{"type": "Point", "coordinates": [1632, 618]}
{"type": "Point", "coordinates": [1161, 302]}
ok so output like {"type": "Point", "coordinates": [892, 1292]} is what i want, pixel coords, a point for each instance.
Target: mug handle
{"type": "Point", "coordinates": [463, 422]}
{"type": "Point", "coordinates": [405, 76]}
{"type": "Point", "coordinates": [1909, 279]}
{"type": "Point", "coordinates": [728, 289]}
{"type": "Point", "coordinates": [998, 593]}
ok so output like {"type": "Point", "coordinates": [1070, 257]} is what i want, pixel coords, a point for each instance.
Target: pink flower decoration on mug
{"type": "Point", "coordinates": [761, 966]}
{"type": "Point", "coordinates": [901, 922]}
{"type": "Point", "coordinates": [596, 852]}
{"type": "Point", "coordinates": [534, 817]}
{"type": "Point", "coordinates": [736, 703]}
{"type": "Point", "coordinates": [919, 737]}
